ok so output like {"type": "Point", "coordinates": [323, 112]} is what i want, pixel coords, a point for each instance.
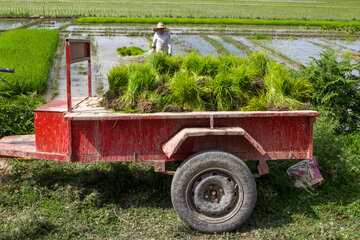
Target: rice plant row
{"type": "Point", "coordinates": [228, 9]}
{"type": "Point", "coordinates": [216, 44]}
{"type": "Point", "coordinates": [30, 52]}
{"type": "Point", "coordinates": [348, 26]}
{"type": "Point", "coordinates": [196, 83]}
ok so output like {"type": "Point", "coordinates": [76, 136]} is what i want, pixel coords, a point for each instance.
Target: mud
{"type": "Point", "coordinates": [146, 106]}
{"type": "Point", "coordinates": [173, 108]}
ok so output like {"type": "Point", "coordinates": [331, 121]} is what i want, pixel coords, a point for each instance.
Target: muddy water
{"type": "Point", "coordinates": [300, 50]}
{"type": "Point", "coordinates": [52, 25]}
{"type": "Point", "coordinates": [11, 24]}
{"type": "Point", "coordinates": [193, 42]}
{"type": "Point", "coordinates": [229, 46]}
{"type": "Point", "coordinates": [104, 57]}
{"type": "Point", "coordinates": [352, 45]}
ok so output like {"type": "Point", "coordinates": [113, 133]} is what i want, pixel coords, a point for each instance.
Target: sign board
{"type": "Point", "coordinates": [79, 50]}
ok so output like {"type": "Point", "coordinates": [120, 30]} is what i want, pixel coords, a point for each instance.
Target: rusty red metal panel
{"type": "Point", "coordinates": [139, 137]}
{"type": "Point", "coordinates": [24, 146]}
{"type": "Point", "coordinates": [51, 132]}
{"type": "Point", "coordinates": [79, 50]}
{"type": "Point", "coordinates": [58, 105]}
{"type": "Point", "coordinates": [280, 137]}
{"type": "Point", "coordinates": [101, 114]}
{"type": "Point", "coordinates": [89, 78]}
{"type": "Point", "coordinates": [68, 77]}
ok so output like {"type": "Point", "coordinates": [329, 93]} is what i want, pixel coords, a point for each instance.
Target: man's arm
{"type": "Point", "coordinates": [154, 41]}
{"type": "Point", "coordinates": [169, 45]}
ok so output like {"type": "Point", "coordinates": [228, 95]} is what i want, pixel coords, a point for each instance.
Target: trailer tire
{"type": "Point", "coordinates": [213, 191]}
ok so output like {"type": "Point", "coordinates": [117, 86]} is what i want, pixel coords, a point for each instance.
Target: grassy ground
{"type": "Point", "coordinates": [285, 9]}
{"type": "Point", "coordinates": [51, 200]}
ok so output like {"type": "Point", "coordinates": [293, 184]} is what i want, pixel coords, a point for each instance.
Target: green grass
{"type": "Point", "coordinates": [53, 200]}
{"type": "Point", "coordinates": [16, 114]}
{"type": "Point", "coordinates": [252, 9]}
{"type": "Point", "coordinates": [31, 53]}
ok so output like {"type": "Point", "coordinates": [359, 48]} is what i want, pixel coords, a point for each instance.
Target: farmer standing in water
{"type": "Point", "coordinates": [162, 39]}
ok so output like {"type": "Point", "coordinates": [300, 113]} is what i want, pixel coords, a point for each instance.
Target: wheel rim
{"type": "Point", "coordinates": [214, 195]}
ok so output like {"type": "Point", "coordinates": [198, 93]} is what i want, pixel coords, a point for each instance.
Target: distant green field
{"type": "Point", "coordinates": [256, 9]}
{"type": "Point", "coordinates": [30, 52]}
{"type": "Point", "coordinates": [349, 26]}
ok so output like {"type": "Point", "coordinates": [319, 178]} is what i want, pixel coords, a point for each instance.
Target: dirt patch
{"type": "Point", "coordinates": [173, 108]}
{"type": "Point", "coordinates": [5, 168]}
{"type": "Point", "coordinates": [162, 90]}
{"type": "Point", "coordinates": [146, 106]}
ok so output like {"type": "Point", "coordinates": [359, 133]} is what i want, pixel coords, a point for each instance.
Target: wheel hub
{"type": "Point", "coordinates": [214, 194]}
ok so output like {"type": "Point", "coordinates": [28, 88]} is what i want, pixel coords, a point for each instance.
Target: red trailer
{"type": "Point", "coordinates": [212, 190]}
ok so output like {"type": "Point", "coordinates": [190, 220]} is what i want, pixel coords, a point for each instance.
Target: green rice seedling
{"type": "Point", "coordinates": [193, 63]}
{"type": "Point", "coordinates": [31, 53]}
{"type": "Point", "coordinates": [186, 92]}
{"type": "Point", "coordinates": [260, 36]}
{"type": "Point", "coordinates": [244, 75]}
{"type": "Point", "coordinates": [210, 66]}
{"type": "Point", "coordinates": [118, 78]}
{"type": "Point", "coordinates": [257, 103]}
{"type": "Point", "coordinates": [278, 77]}
{"type": "Point", "coordinates": [283, 91]}
{"type": "Point", "coordinates": [228, 62]}
{"type": "Point", "coordinates": [259, 61]}
{"type": "Point", "coordinates": [150, 101]}
{"type": "Point", "coordinates": [337, 25]}
{"type": "Point", "coordinates": [130, 51]}
{"type": "Point", "coordinates": [225, 95]}
{"type": "Point", "coordinates": [165, 64]}
{"type": "Point", "coordinates": [204, 66]}
{"type": "Point", "coordinates": [141, 77]}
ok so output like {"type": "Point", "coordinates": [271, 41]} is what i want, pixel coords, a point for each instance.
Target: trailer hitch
{"type": "Point", "coordinates": [8, 70]}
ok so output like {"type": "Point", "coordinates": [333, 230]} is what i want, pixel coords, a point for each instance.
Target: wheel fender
{"type": "Point", "coordinates": [171, 146]}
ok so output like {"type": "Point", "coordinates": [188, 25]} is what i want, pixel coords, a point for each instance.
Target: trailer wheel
{"type": "Point", "coordinates": [213, 191]}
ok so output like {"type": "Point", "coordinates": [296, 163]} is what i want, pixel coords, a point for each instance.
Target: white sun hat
{"type": "Point", "coordinates": [159, 26]}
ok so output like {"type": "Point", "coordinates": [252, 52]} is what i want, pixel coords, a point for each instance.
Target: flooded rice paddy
{"type": "Point", "coordinates": [291, 46]}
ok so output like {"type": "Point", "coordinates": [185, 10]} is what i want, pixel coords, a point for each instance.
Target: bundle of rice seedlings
{"type": "Point", "coordinates": [118, 78]}
{"type": "Point", "coordinates": [225, 95]}
{"type": "Point", "coordinates": [186, 92]}
{"type": "Point", "coordinates": [244, 75]}
{"type": "Point", "coordinates": [209, 66]}
{"type": "Point", "coordinates": [193, 63]}
{"type": "Point", "coordinates": [165, 64]}
{"type": "Point", "coordinates": [148, 102]}
{"type": "Point", "coordinates": [259, 61]}
{"type": "Point", "coordinates": [229, 61]}
{"type": "Point", "coordinates": [257, 103]}
{"type": "Point", "coordinates": [141, 77]}
{"type": "Point", "coordinates": [283, 91]}
{"type": "Point", "coordinates": [130, 51]}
